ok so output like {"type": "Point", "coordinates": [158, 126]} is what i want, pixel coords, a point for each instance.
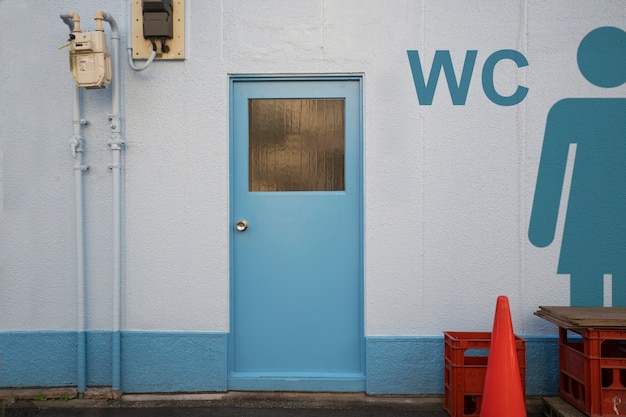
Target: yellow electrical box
{"type": "Point", "coordinates": [166, 47]}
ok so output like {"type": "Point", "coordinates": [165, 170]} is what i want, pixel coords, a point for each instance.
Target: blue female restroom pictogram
{"type": "Point", "coordinates": [594, 232]}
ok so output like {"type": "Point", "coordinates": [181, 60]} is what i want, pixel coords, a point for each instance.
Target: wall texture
{"type": "Point", "coordinates": [448, 188]}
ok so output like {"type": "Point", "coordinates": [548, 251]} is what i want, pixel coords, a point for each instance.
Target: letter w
{"type": "Point", "coordinates": [426, 91]}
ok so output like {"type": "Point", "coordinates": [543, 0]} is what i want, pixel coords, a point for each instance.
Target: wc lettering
{"type": "Point", "coordinates": [425, 88]}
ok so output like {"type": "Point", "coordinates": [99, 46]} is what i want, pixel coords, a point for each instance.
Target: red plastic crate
{"type": "Point", "coordinates": [465, 366]}
{"type": "Point", "coordinates": [593, 370]}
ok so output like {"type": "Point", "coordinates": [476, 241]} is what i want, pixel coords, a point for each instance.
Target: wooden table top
{"type": "Point", "coordinates": [584, 317]}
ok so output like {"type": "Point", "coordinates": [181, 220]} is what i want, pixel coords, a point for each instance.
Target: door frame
{"type": "Point", "coordinates": [310, 385]}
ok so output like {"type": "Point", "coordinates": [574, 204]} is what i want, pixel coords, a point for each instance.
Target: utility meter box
{"type": "Point", "coordinates": [90, 59]}
{"type": "Point", "coordinates": [158, 19]}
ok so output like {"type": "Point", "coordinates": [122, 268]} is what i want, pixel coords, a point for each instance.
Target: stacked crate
{"type": "Point", "coordinates": [465, 367]}
{"type": "Point", "coordinates": [593, 370]}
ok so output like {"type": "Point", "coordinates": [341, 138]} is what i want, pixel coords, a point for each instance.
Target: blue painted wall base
{"type": "Point", "coordinates": [414, 365]}
{"type": "Point", "coordinates": [151, 361]}
{"type": "Point", "coordinates": [404, 365]}
{"type": "Point", "coordinates": [194, 362]}
{"type": "Point", "coordinates": [173, 362]}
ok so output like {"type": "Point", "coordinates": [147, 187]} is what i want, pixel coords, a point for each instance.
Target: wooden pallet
{"type": "Point", "coordinates": [584, 317]}
{"type": "Point", "coordinates": [557, 407]}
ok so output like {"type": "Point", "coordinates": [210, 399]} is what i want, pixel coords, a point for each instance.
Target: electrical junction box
{"type": "Point", "coordinates": [158, 21]}
{"type": "Point", "coordinates": [142, 47]}
{"type": "Point", "coordinates": [90, 59]}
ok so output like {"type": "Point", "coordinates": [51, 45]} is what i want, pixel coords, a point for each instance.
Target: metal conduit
{"type": "Point", "coordinates": [72, 20]}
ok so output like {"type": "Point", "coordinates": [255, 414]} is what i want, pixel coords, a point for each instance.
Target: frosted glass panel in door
{"type": "Point", "coordinates": [296, 145]}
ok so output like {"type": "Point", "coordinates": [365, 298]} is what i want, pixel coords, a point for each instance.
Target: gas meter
{"type": "Point", "coordinates": [90, 59]}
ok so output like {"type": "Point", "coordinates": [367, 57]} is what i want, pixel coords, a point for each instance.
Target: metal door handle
{"type": "Point", "coordinates": [241, 225]}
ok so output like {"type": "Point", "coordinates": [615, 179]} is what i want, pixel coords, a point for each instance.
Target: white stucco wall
{"type": "Point", "coordinates": [448, 189]}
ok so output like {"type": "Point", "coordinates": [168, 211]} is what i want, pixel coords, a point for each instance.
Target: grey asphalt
{"type": "Point", "coordinates": [241, 405]}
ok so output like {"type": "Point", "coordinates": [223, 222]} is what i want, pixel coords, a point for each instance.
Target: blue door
{"type": "Point", "coordinates": [296, 236]}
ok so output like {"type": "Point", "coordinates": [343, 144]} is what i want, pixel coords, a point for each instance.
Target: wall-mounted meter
{"type": "Point", "coordinates": [157, 19]}
{"type": "Point", "coordinates": [90, 59]}
{"type": "Point", "coordinates": [158, 26]}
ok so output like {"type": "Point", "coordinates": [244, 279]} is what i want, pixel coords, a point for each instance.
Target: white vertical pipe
{"type": "Point", "coordinates": [116, 384]}
{"type": "Point", "coordinates": [72, 21]}
{"type": "Point", "coordinates": [77, 146]}
{"type": "Point", "coordinates": [116, 143]}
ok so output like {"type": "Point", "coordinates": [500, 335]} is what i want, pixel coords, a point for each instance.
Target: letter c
{"type": "Point", "coordinates": [488, 70]}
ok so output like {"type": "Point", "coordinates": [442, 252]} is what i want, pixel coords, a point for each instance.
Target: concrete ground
{"type": "Point", "coordinates": [233, 404]}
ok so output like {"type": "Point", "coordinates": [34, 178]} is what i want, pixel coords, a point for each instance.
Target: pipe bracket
{"type": "Point", "coordinates": [76, 145]}
{"type": "Point", "coordinates": [116, 142]}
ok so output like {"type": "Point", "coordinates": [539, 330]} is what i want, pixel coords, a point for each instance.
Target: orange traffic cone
{"type": "Point", "coordinates": [502, 394]}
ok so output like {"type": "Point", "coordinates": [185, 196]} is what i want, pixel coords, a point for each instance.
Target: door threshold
{"type": "Point", "coordinates": [297, 381]}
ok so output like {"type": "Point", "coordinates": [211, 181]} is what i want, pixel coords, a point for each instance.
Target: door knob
{"type": "Point", "coordinates": [241, 225]}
